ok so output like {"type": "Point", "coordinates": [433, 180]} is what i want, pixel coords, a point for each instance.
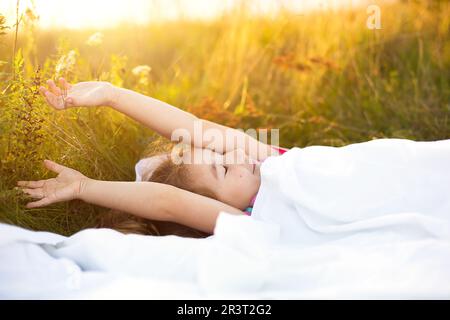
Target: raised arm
{"type": "Point", "coordinates": [166, 119]}
{"type": "Point", "coordinates": [149, 200]}
{"type": "Point", "coordinates": [157, 115]}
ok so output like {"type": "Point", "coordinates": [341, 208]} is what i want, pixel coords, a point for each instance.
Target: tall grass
{"type": "Point", "coordinates": [322, 79]}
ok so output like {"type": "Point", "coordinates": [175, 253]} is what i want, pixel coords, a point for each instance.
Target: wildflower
{"type": "Point", "coordinates": [3, 25]}
{"type": "Point", "coordinates": [141, 71]}
{"type": "Point", "coordinates": [66, 62]}
{"type": "Point", "coordinates": [31, 15]}
{"type": "Point", "coordinates": [95, 39]}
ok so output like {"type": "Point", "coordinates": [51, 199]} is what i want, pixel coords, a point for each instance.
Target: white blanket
{"type": "Point", "coordinates": [330, 230]}
{"type": "Point", "coordinates": [378, 191]}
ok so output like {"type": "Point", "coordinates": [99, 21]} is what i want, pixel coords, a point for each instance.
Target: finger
{"type": "Point", "coordinates": [42, 90]}
{"type": "Point", "coordinates": [53, 100]}
{"type": "Point", "coordinates": [53, 88]}
{"type": "Point", "coordinates": [31, 184]}
{"type": "Point", "coordinates": [53, 166]}
{"type": "Point", "coordinates": [64, 84]}
{"type": "Point", "coordinates": [40, 203]}
{"type": "Point", "coordinates": [69, 102]}
{"type": "Point", "coordinates": [49, 96]}
{"type": "Point", "coordinates": [35, 193]}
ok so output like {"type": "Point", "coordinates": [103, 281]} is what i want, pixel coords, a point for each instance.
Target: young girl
{"type": "Point", "coordinates": [191, 193]}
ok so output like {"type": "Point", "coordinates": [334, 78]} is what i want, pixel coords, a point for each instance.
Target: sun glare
{"type": "Point", "coordinates": [106, 13]}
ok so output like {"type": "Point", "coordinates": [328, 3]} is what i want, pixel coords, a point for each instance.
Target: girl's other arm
{"type": "Point", "coordinates": [156, 201]}
{"type": "Point", "coordinates": [149, 200]}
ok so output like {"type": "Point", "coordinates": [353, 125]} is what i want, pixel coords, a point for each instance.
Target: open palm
{"type": "Point", "coordinates": [89, 93]}
{"type": "Point", "coordinates": [66, 186]}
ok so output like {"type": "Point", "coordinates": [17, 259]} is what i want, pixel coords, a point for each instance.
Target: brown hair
{"type": "Point", "coordinates": [167, 172]}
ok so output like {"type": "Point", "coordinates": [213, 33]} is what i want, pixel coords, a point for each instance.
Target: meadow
{"type": "Point", "coordinates": [321, 79]}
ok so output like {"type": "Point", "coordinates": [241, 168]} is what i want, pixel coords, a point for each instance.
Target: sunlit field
{"type": "Point", "coordinates": [321, 78]}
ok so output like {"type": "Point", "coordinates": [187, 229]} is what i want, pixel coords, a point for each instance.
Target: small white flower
{"type": "Point", "coordinates": [141, 71]}
{"type": "Point", "coordinates": [95, 39]}
{"type": "Point", "coordinates": [71, 58]}
{"type": "Point", "coordinates": [66, 62]}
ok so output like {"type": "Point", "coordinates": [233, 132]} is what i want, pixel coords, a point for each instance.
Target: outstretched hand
{"type": "Point", "coordinates": [89, 93]}
{"type": "Point", "coordinates": [66, 186]}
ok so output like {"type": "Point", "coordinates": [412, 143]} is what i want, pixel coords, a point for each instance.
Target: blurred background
{"type": "Point", "coordinates": [312, 69]}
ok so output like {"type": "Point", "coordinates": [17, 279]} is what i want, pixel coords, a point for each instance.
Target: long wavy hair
{"type": "Point", "coordinates": [167, 172]}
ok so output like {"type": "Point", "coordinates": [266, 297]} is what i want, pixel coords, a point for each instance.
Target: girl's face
{"type": "Point", "coordinates": [233, 177]}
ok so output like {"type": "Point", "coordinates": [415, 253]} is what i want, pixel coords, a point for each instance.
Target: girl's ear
{"type": "Point", "coordinates": [146, 166]}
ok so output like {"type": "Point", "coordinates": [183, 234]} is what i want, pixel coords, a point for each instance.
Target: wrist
{"type": "Point", "coordinates": [112, 95]}
{"type": "Point", "coordinates": [83, 188]}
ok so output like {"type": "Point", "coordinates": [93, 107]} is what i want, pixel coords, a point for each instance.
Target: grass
{"type": "Point", "coordinates": [321, 79]}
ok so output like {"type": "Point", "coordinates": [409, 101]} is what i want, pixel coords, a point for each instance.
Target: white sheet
{"type": "Point", "coordinates": [344, 223]}
{"type": "Point", "coordinates": [377, 191]}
